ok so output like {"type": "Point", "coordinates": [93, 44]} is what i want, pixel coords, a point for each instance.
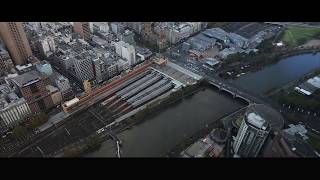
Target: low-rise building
{"type": "Point", "coordinates": [47, 45]}
{"type": "Point", "coordinates": [64, 86]}
{"type": "Point", "coordinates": [102, 27]}
{"type": "Point", "coordinates": [44, 67]}
{"type": "Point", "coordinates": [55, 94]}
{"type": "Point", "coordinates": [24, 68]}
{"type": "Point", "coordinates": [127, 36]}
{"type": "Point", "coordinates": [297, 129]}
{"type": "Point", "coordinates": [6, 63]}
{"type": "Point", "coordinates": [126, 51]}
{"type": "Point", "coordinates": [13, 109]}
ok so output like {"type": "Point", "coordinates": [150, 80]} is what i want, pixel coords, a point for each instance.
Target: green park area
{"type": "Point", "coordinates": [295, 36]}
{"type": "Point", "coordinates": [314, 141]}
{"type": "Point", "coordinates": [298, 100]}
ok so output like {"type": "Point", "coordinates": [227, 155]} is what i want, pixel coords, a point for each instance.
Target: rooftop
{"type": "Point", "coordinates": [273, 117]}
{"type": "Point", "coordinates": [257, 121]}
{"type": "Point", "coordinates": [27, 78]}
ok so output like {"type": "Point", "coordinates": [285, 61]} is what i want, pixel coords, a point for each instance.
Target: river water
{"type": "Point", "coordinates": [279, 74]}
{"type": "Point", "coordinates": [159, 134]}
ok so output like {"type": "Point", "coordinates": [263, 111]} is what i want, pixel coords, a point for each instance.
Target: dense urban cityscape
{"type": "Point", "coordinates": [160, 89]}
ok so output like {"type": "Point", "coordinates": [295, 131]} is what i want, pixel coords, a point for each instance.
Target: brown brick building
{"type": "Point", "coordinates": [32, 86]}
{"type": "Point", "coordinates": [83, 29]}
{"type": "Point", "coordinates": [15, 39]}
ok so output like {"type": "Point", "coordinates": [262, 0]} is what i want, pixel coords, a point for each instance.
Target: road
{"type": "Point", "coordinates": [297, 24]}
{"type": "Point", "coordinates": [196, 67]}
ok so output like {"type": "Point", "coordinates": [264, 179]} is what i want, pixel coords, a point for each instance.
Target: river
{"type": "Point", "coordinates": [278, 74]}
{"type": "Point", "coordinates": [159, 134]}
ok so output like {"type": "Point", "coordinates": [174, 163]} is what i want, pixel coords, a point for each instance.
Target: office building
{"type": "Point", "coordinates": [254, 129]}
{"type": "Point", "coordinates": [126, 51]}
{"type": "Point", "coordinates": [83, 67]}
{"type": "Point", "coordinates": [55, 94]}
{"type": "Point", "coordinates": [102, 27]}
{"type": "Point", "coordinates": [251, 136]}
{"type": "Point", "coordinates": [64, 87]}
{"type": "Point", "coordinates": [5, 62]}
{"type": "Point", "coordinates": [44, 67]}
{"type": "Point", "coordinates": [47, 45]}
{"type": "Point", "coordinates": [127, 36]}
{"type": "Point", "coordinates": [32, 87]}
{"type": "Point", "coordinates": [13, 109]}
{"type": "Point", "coordinates": [83, 29]}
{"type": "Point", "coordinates": [99, 69]}
{"type": "Point", "coordinates": [15, 40]}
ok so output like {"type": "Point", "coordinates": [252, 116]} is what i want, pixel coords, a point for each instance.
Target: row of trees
{"type": "Point", "coordinates": [298, 100]}
{"type": "Point", "coordinates": [33, 122]}
{"type": "Point", "coordinates": [93, 143]}
{"type": "Point", "coordinates": [141, 115]}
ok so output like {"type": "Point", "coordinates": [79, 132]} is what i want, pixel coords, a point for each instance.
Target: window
{"type": "Point", "coordinates": [34, 88]}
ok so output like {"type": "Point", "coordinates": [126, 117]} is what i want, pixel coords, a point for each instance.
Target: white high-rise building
{"type": "Point", "coordinates": [252, 134]}
{"type": "Point", "coordinates": [47, 46]}
{"type": "Point", "coordinates": [126, 51]}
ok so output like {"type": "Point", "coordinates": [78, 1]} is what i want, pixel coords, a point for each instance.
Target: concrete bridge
{"type": "Point", "coordinates": [236, 92]}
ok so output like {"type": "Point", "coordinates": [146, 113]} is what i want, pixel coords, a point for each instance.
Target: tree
{"type": "Point", "coordinates": [93, 142]}
{"type": "Point", "coordinates": [71, 152]}
{"type": "Point", "coordinates": [38, 120]}
{"type": "Point", "coordinates": [19, 131]}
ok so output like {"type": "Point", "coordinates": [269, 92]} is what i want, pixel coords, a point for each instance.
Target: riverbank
{"type": "Point", "coordinates": [150, 111]}
{"type": "Point", "coordinates": [160, 105]}
{"type": "Point", "coordinates": [238, 64]}
{"type": "Point", "coordinates": [292, 84]}
{"type": "Point", "coordinates": [224, 122]}
{"type": "Point", "coordinates": [158, 133]}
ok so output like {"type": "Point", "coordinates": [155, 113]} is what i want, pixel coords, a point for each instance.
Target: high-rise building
{"type": "Point", "coordinates": [47, 45]}
{"type": "Point", "coordinates": [252, 134]}
{"type": "Point", "coordinates": [83, 29]}
{"type": "Point", "coordinates": [259, 121]}
{"type": "Point", "coordinates": [15, 40]}
{"type": "Point", "coordinates": [83, 67]}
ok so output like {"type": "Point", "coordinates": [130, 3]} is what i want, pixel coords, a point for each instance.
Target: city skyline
{"type": "Point", "coordinates": [159, 89]}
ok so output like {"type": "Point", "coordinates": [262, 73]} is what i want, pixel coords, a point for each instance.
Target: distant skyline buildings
{"type": "Point", "coordinates": [16, 42]}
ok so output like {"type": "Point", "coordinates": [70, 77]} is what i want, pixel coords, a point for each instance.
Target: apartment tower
{"type": "Point", "coordinates": [15, 40]}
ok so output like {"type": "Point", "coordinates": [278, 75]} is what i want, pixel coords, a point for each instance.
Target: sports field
{"type": "Point", "coordinates": [294, 36]}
